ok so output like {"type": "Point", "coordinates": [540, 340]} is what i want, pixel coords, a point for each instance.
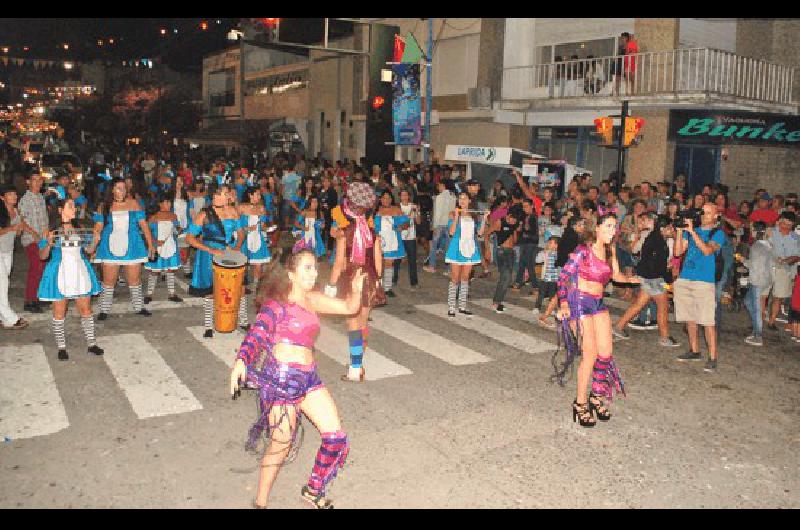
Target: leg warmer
{"type": "Point", "coordinates": [330, 458]}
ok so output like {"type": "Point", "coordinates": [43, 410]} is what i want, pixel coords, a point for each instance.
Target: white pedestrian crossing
{"type": "Point", "coordinates": [427, 341]}
{"type": "Point", "coordinates": [118, 308]}
{"type": "Point", "coordinates": [334, 344]}
{"type": "Point", "coordinates": [150, 385]}
{"type": "Point", "coordinates": [516, 311]}
{"type": "Point", "coordinates": [30, 404]}
{"type": "Point", "coordinates": [224, 346]}
{"type": "Point", "coordinates": [508, 336]}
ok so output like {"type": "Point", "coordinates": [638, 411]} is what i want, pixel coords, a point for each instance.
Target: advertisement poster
{"type": "Point", "coordinates": [406, 105]}
{"type": "Point", "coordinates": [731, 127]}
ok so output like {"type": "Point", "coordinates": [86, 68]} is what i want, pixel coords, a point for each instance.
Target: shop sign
{"type": "Point", "coordinates": [486, 155]}
{"type": "Point", "coordinates": [750, 128]}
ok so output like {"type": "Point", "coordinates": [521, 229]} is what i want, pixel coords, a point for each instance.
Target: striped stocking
{"type": "Point", "coordinates": [452, 288]}
{"type": "Point", "coordinates": [106, 299]}
{"type": "Point", "coordinates": [243, 310]}
{"type": "Point", "coordinates": [87, 323]}
{"type": "Point", "coordinates": [136, 297]}
{"type": "Point", "coordinates": [463, 291]}
{"type": "Point", "coordinates": [356, 340]}
{"type": "Point", "coordinates": [58, 331]}
{"type": "Point", "coordinates": [330, 458]}
{"type": "Point", "coordinates": [388, 276]}
{"type": "Point", "coordinates": [151, 284]}
{"type": "Point", "coordinates": [208, 312]}
{"type": "Point", "coordinates": [171, 283]}
{"type": "Point", "coordinates": [187, 265]}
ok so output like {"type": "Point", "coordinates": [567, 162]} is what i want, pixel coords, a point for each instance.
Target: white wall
{"type": "Point", "coordinates": [455, 65]}
{"type": "Point", "coordinates": [560, 30]}
{"type": "Point", "coordinates": [708, 33]}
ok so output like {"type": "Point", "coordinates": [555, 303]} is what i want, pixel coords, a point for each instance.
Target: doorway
{"type": "Point", "coordinates": [700, 164]}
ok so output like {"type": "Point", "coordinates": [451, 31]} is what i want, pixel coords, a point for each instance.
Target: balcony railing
{"type": "Point", "coordinates": [682, 71]}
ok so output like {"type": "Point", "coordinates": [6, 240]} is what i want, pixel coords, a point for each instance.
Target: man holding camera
{"type": "Point", "coordinates": [694, 291]}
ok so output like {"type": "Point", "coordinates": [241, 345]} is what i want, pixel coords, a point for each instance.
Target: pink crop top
{"type": "Point", "coordinates": [582, 264]}
{"type": "Point", "coordinates": [279, 323]}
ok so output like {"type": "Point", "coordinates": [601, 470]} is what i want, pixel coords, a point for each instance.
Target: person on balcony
{"type": "Point", "coordinates": [629, 63]}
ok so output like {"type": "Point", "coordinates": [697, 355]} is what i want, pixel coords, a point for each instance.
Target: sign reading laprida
{"type": "Point", "coordinates": [709, 127]}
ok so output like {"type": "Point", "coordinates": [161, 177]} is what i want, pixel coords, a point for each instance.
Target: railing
{"type": "Point", "coordinates": [690, 70]}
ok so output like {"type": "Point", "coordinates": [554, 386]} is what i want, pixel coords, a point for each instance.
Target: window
{"type": "Point", "coordinates": [222, 88]}
{"type": "Point", "coordinates": [583, 49]}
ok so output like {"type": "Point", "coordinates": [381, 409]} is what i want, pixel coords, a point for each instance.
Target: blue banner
{"type": "Point", "coordinates": [406, 105]}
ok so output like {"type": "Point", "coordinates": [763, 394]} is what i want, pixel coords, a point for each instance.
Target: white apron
{"type": "Point", "coordinates": [180, 212]}
{"type": "Point", "coordinates": [466, 243]}
{"type": "Point", "coordinates": [388, 235]}
{"type": "Point", "coordinates": [165, 229]}
{"type": "Point", "coordinates": [254, 237]}
{"type": "Point", "coordinates": [73, 277]}
{"type": "Point", "coordinates": [118, 240]}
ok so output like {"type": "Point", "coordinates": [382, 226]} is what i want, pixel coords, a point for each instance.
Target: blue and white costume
{"type": "Point", "coordinates": [463, 248]}
{"type": "Point", "coordinates": [68, 273]}
{"type": "Point", "coordinates": [255, 246]}
{"type": "Point", "coordinates": [388, 227]}
{"type": "Point", "coordinates": [312, 234]}
{"type": "Point", "coordinates": [180, 208]}
{"type": "Point", "coordinates": [121, 242]}
{"type": "Point", "coordinates": [202, 275]}
{"type": "Point", "coordinates": [195, 205]}
{"type": "Point", "coordinates": [167, 256]}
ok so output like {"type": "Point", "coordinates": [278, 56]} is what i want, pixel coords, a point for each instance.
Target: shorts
{"type": "Point", "coordinates": [794, 316]}
{"type": "Point", "coordinates": [782, 283]}
{"type": "Point", "coordinates": [653, 286]}
{"type": "Point", "coordinates": [584, 305]}
{"type": "Point", "coordinates": [695, 301]}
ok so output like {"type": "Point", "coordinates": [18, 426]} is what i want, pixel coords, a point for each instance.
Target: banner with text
{"type": "Point", "coordinates": [723, 127]}
{"type": "Point", "coordinates": [406, 105]}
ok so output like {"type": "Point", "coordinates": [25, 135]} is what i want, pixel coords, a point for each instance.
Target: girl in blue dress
{"type": "Point", "coordinates": [310, 225]}
{"type": "Point", "coordinates": [68, 275]}
{"type": "Point", "coordinates": [389, 223]}
{"type": "Point", "coordinates": [197, 200]}
{"type": "Point", "coordinates": [121, 239]}
{"type": "Point", "coordinates": [253, 219]}
{"type": "Point", "coordinates": [463, 251]}
{"type": "Point", "coordinates": [164, 227]}
{"type": "Point", "coordinates": [180, 205]}
{"type": "Point", "coordinates": [211, 232]}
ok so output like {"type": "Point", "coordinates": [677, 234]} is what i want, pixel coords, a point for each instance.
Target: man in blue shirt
{"type": "Point", "coordinates": [290, 183]}
{"type": "Point", "coordinates": [694, 290]}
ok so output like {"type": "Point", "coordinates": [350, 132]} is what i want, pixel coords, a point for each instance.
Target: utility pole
{"type": "Point", "coordinates": [621, 145]}
{"type": "Point", "coordinates": [428, 94]}
{"type": "Point", "coordinates": [241, 98]}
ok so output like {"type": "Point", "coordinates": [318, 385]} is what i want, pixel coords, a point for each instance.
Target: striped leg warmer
{"type": "Point", "coordinates": [171, 283]}
{"type": "Point", "coordinates": [58, 331]}
{"type": "Point", "coordinates": [243, 310]}
{"type": "Point", "coordinates": [388, 273]}
{"type": "Point", "coordinates": [187, 265]}
{"type": "Point", "coordinates": [136, 297]}
{"type": "Point", "coordinates": [208, 313]}
{"type": "Point", "coordinates": [106, 299]}
{"type": "Point", "coordinates": [330, 458]}
{"type": "Point", "coordinates": [463, 292]}
{"type": "Point", "coordinates": [87, 323]}
{"type": "Point", "coordinates": [151, 284]}
{"type": "Point", "coordinates": [452, 288]}
{"type": "Point", "coordinates": [356, 339]}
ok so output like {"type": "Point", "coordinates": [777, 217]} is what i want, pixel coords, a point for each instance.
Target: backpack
{"type": "Point", "coordinates": [719, 261]}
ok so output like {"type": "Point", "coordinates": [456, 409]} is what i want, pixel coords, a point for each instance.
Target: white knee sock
{"type": "Point", "coordinates": [171, 283]}
{"type": "Point", "coordinates": [58, 331]}
{"type": "Point", "coordinates": [463, 291]}
{"type": "Point", "coordinates": [243, 310]}
{"type": "Point", "coordinates": [151, 284]}
{"type": "Point", "coordinates": [208, 313]}
{"type": "Point", "coordinates": [388, 273]}
{"type": "Point", "coordinates": [136, 297]}
{"type": "Point", "coordinates": [88, 330]}
{"type": "Point", "coordinates": [451, 296]}
{"type": "Point", "coordinates": [106, 299]}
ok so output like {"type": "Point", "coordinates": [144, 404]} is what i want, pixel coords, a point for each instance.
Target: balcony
{"type": "Point", "coordinates": [691, 76]}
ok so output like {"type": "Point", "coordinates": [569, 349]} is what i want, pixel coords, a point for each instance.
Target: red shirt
{"type": "Point", "coordinates": [631, 47]}
{"type": "Point", "coordinates": [795, 301]}
{"type": "Point", "coordinates": [767, 215]}
{"type": "Point", "coordinates": [186, 175]}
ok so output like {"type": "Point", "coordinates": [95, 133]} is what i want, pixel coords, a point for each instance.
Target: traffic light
{"type": "Point", "coordinates": [604, 126]}
{"type": "Point", "coordinates": [633, 127]}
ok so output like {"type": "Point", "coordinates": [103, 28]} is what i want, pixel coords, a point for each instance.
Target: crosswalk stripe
{"type": "Point", "coordinates": [515, 311]}
{"type": "Point", "coordinates": [224, 346]}
{"type": "Point", "coordinates": [488, 328]}
{"type": "Point", "coordinates": [422, 339]}
{"type": "Point", "coordinates": [121, 308]}
{"type": "Point", "coordinates": [334, 344]}
{"type": "Point", "coordinates": [30, 404]}
{"type": "Point", "coordinates": [150, 385]}
{"type": "Point", "coordinates": [182, 284]}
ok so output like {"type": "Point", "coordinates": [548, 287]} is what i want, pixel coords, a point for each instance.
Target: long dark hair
{"type": "Point", "coordinates": [249, 191]}
{"type": "Point", "coordinates": [274, 283]}
{"type": "Point", "coordinates": [590, 232]}
{"type": "Point", "coordinates": [211, 215]}
{"type": "Point", "coordinates": [5, 215]}
{"type": "Point", "coordinates": [108, 198]}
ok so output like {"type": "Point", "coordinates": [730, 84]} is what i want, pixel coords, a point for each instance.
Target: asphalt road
{"type": "Point", "coordinates": [455, 414]}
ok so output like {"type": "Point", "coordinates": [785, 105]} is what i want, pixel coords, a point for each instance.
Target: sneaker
{"type": "Point", "coordinates": [63, 355]}
{"type": "Point", "coordinates": [535, 311]}
{"type": "Point", "coordinates": [208, 334]}
{"type": "Point", "coordinates": [668, 342]}
{"type": "Point", "coordinates": [620, 334]}
{"type": "Point", "coordinates": [690, 356]}
{"type": "Point", "coordinates": [451, 314]}
{"type": "Point", "coordinates": [752, 340]}
{"type": "Point", "coordinates": [711, 366]}
{"type": "Point", "coordinates": [515, 287]}
{"type": "Point", "coordinates": [102, 316]}
{"type": "Point", "coordinates": [95, 350]}
{"type": "Point", "coordinates": [391, 294]}
{"type": "Point", "coordinates": [465, 312]}
{"type": "Point", "coordinates": [781, 319]}
{"type": "Point", "coordinates": [175, 298]}
{"type": "Point", "coordinates": [446, 274]}
{"type": "Point", "coordinates": [144, 313]}
{"type": "Point", "coordinates": [499, 309]}
{"type": "Point", "coordinates": [638, 324]}
{"type": "Point", "coordinates": [147, 300]}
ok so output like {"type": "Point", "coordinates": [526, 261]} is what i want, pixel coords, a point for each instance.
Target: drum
{"type": "Point", "coordinates": [229, 271]}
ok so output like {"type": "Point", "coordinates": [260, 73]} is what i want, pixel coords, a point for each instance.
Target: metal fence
{"type": "Point", "coordinates": [690, 70]}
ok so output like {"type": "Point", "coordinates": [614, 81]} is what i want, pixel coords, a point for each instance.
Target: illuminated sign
{"type": "Point", "coordinates": [708, 127]}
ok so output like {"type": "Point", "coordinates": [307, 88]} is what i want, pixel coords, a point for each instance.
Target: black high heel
{"type": "Point", "coordinates": [582, 413]}
{"type": "Point", "coordinates": [598, 407]}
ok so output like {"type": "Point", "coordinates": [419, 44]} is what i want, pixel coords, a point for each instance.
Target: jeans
{"type": "Point", "coordinates": [441, 238]}
{"type": "Point", "coordinates": [546, 290]}
{"type": "Point", "coordinates": [752, 301]}
{"type": "Point", "coordinates": [720, 285]}
{"type": "Point", "coordinates": [7, 315]}
{"type": "Point", "coordinates": [527, 261]}
{"type": "Point", "coordinates": [648, 312]}
{"type": "Point", "coordinates": [505, 266]}
{"type": "Point", "coordinates": [411, 256]}
{"type": "Point", "coordinates": [35, 270]}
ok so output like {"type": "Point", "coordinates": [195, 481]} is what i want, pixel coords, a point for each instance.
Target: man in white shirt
{"type": "Point", "coordinates": [443, 204]}
{"type": "Point", "coordinates": [148, 166]}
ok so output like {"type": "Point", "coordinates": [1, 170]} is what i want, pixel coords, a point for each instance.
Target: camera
{"type": "Point", "coordinates": [694, 214]}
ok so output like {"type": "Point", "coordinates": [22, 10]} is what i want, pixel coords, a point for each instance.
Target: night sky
{"type": "Point", "coordinates": [134, 38]}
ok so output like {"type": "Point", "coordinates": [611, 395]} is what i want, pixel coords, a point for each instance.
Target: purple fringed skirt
{"type": "Point", "coordinates": [281, 388]}
{"type": "Point", "coordinates": [581, 305]}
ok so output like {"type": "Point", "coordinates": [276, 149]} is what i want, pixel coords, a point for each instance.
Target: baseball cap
{"type": "Point", "coordinates": [765, 196]}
